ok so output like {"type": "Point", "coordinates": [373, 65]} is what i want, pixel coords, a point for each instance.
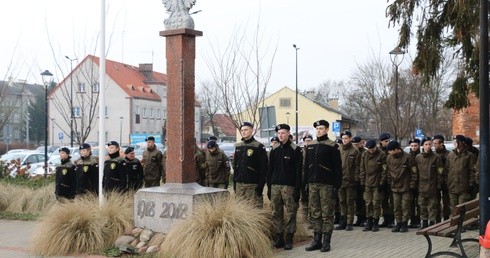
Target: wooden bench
{"type": "Point", "coordinates": [463, 215]}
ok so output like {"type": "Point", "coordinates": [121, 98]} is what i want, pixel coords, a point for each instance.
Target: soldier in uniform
{"type": "Point", "coordinates": [283, 184]}
{"type": "Point", "coordinates": [372, 176]}
{"type": "Point", "coordinates": [401, 172]}
{"type": "Point", "coordinates": [358, 143]}
{"type": "Point", "coordinates": [443, 194]}
{"type": "Point", "coordinates": [152, 164]}
{"type": "Point", "coordinates": [351, 159]}
{"type": "Point", "coordinates": [249, 166]}
{"type": "Point", "coordinates": [415, 208]}
{"type": "Point", "coordinates": [304, 187]}
{"type": "Point", "coordinates": [385, 190]}
{"type": "Point", "coordinates": [476, 153]}
{"type": "Point", "coordinates": [201, 167]}
{"type": "Point", "coordinates": [274, 142]}
{"type": "Point", "coordinates": [115, 175]}
{"type": "Point", "coordinates": [134, 170]}
{"type": "Point", "coordinates": [218, 166]}
{"type": "Point", "coordinates": [323, 174]}
{"type": "Point", "coordinates": [87, 170]}
{"type": "Point", "coordinates": [460, 166]}
{"type": "Point", "coordinates": [430, 169]}
{"type": "Point", "coordinates": [65, 176]}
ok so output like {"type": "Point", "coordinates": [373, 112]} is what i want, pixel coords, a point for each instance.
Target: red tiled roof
{"type": "Point", "coordinates": [225, 123]}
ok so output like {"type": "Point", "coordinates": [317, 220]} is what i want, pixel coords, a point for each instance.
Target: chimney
{"type": "Point", "coordinates": [146, 67]}
{"type": "Point", "coordinates": [310, 94]}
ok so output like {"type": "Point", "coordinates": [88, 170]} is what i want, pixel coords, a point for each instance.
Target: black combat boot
{"type": "Point", "coordinates": [431, 223]}
{"type": "Point", "coordinates": [289, 241]}
{"type": "Point", "coordinates": [397, 227]}
{"type": "Point", "coordinates": [342, 223]}
{"type": "Point", "coordinates": [369, 225]}
{"type": "Point", "coordinates": [361, 219]}
{"type": "Point", "coordinates": [386, 221]}
{"type": "Point", "coordinates": [349, 227]}
{"type": "Point", "coordinates": [404, 227]}
{"type": "Point", "coordinates": [391, 221]}
{"type": "Point", "coordinates": [279, 243]}
{"type": "Point", "coordinates": [326, 242]}
{"type": "Point", "coordinates": [375, 225]}
{"type": "Point", "coordinates": [425, 223]}
{"type": "Point", "coordinates": [317, 242]}
{"type": "Point", "coordinates": [414, 222]}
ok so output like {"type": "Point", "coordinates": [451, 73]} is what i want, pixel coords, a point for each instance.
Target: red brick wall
{"type": "Point", "coordinates": [467, 120]}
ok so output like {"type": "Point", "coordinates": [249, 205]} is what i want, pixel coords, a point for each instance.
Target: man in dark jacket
{"type": "Point", "coordinates": [87, 170]}
{"type": "Point", "coordinates": [249, 166]}
{"type": "Point", "coordinates": [65, 176]}
{"type": "Point", "coordinates": [134, 170]}
{"type": "Point", "coordinates": [442, 195]}
{"type": "Point", "coordinates": [323, 173]}
{"type": "Point", "coordinates": [283, 184]}
{"type": "Point", "coordinates": [152, 163]}
{"type": "Point", "coordinates": [218, 166]}
{"type": "Point", "coordinates": [115, 175]}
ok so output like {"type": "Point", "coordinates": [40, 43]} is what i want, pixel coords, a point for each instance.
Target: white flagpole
{"type": "Point", "coordinates": [102, 73]}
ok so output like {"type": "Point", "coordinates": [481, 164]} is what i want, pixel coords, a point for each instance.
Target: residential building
{"type": "Point", "coordinates": [224, 127]}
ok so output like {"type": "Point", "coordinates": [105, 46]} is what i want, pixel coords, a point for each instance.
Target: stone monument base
{"type": "Point", "coordinates": [159, 208]}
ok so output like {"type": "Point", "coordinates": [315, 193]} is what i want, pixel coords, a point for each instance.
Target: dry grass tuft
{"type": "Point", "coordinates": [41, 200]}
{"type": "Point", "coordinates": [21, 199]}
{"type": "Point", "coordinates": [221, 227]}
{"type": "Point", "coordinates": [80, 226]}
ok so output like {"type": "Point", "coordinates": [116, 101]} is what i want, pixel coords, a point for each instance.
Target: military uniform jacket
{"type": "Point", "coordinates": [134, 173]}
{"type": "Point", "coordinates": [218, 167]}
{"type": "Point", "coordinates": [442, 154]}
{"type": "Point", "coordinates": [323, 164]}
{"type": "Point", "coordinates": [285, 165]}
{"type": "Point", "coordinates": [201, 167]}
{"type": "Point", "coordinates": [66, 180]}
{"type": "Point", "coordinates": [430, 170]}
{"type": "Point", "coordinates": [115, 175]}
{"type": "Point", "coordinates": [250, 163]}
{"type": "Point", "coordinates": [401, 172]}
{"type": "Point", "coordinates": [373, 168]}
{"type": "Point", "coordinates": [461, 171]}
{"type": "Point", "coordinates": [87, 170]}
{"type": "Point", "coordinates": [351, 160]}
{"type": "Point", "coordinates": [152, 164]}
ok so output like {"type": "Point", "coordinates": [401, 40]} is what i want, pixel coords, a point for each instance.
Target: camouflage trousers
{"type": "Point", "coordinates": [347, 200]}
{"type": "Point", "coordinates": [372, 197]}
{"type": "Point", "coordinates": [322, 206]}
{"type": "Point", "coordinates": [282, 197]}
{"type": "Point", "coordinates": [247, 192]}
{"type": "Point", "coordinates": [456, 199]}
{"type": "Point", "coordinates": [428, 207]}
{"type": "Point", "coordinates": [401, 204]}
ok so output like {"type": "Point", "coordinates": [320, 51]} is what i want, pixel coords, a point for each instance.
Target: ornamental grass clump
{"type": "Point", "coordinates": [221, 227]}
{"type": "Point", "coordinates": [81, 226]}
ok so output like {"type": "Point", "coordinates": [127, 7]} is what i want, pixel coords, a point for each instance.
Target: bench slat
{"type": "Point", "coordinates": [448, 232]}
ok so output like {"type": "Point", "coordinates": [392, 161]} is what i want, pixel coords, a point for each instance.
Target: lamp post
{"type": "Point", "coordinates": [396, 61]}
{"type": "Point", "coordinates": [120, 129]}
{"type": "Point", "coordinates": [296, 91]}
{"type": "Point", "coordinates": [287, 118]}
{"type": "Point", "coordinates": [46, 84]}
{"type": "Point", "coordinates": [52, 131]}
{"type": "Point", "coordinates": [71, 98]}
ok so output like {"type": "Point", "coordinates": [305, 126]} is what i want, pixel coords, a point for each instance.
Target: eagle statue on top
{"type": "Point", "coordinates": [179, 14]}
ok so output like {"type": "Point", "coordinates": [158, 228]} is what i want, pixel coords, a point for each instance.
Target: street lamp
{"type": "Point", "coordinates": [71, 98]}
{"type": "Point", "coordinates": [52, 131]}
{"type": "Point", "coordinates": [396, 61]}
{"type": "Point", "coordinates": [120, 129]}
{"type": "Point", "coordinates": [297, 133]}
{"type": "Point", "coordinates": [46, 83]}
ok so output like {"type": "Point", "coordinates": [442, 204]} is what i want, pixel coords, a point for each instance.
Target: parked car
{"type": "Point", "coordinates": [52, 163]}
{"type": "Point", "coordinates": [29, 161]}
{"type": "Point", "coordinates": [228, 148]}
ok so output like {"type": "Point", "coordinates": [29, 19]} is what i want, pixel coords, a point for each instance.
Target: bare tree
{"type": "Point", "coordinates": [211, 103]}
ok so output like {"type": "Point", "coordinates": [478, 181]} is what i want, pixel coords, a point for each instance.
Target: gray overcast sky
{"type": "Point", "coordinates": [333, 36]}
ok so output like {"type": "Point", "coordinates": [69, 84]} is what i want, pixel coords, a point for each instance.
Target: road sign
{"type": "Point", "coordinates": [336, 127]}
{"type": "Point", "coordinates": [419, 133]}
{"type": "Point", "coordinates": [60, 136]}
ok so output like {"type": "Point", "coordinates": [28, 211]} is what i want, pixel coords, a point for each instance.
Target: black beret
{"type": "Point", "coordinates": [393, 145]}
{"type": "Point", "coordinates": [424, 140]}
{"type": "Point", "coordinates": [212, 144]}
{"type": "Point", "coordinates": [113, 143]}
{"type": "Point", "coordinates": [384, 136]}
{"type": "Point", "coordinates": [460, 138]}
{"type": "Point", "coordinates": [246, 124]}
{"type": "Point", "coordinates": [84, 146]}
{"type": "Point", "coordinates": [212, 138]}
{"type": "Point", "coordinates": [274, 139]}
{"type": "Point", "coordinates": [128, 150]}
{"type": "Point", "coordinates": [468, 141]}
{"type": "Point", "coordinates": [356, 139]}
{"type": "Point", "coordinates": [64, 149]}
{"type": "Point", "coordinates": [150, 138]}
{"type": "Point", "coordinates": [321, 122]}
{"type": "Point", "coordinates": [308, 137]}
{"type": "Point", "coordinates": [370, 144]}
{"type": "Point", "coordinates": [416, 140]}
{"type": "Point", "coordinates": [283, 126]}
{"type": "Point", "coordinates": [348, 133]}
{"type": "Point", "coordinates": [438, 136]}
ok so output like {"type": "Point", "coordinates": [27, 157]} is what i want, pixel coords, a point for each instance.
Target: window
{"type": "Point", "coordinates": [106, 112]}
{"type": "Point", "coordinates": [77, 112]}
{"type": "Point", "coordinates": [144, 112]}
{"type": "Point", "coordinates": [151, 112]}
{"type": "Point", "coordinates": [283, 102]}
{"type": "Point", "coordinates": [95, 87]}
{"type": "Point", "coordinates": [158, 113]}
{"type": "Point", "coordinates": [81, 87]}
{"type": "Point", "coordinates": [137, 110]}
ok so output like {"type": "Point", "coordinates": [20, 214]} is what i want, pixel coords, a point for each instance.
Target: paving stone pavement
{"type": "Point", "coordinates": [14, 242]}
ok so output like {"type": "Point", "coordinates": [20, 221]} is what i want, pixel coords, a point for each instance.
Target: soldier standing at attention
{"type": "Point", "coordinates": [351, 159]}
{"type": "Point", "coordinates": [359, 143]}
{"type": "Point", "coordinates": [115, 175]}
{"type": "Point", "coordinates": [218, 167]}
{"type": "Point", "coordinates": [134, 170]}
{"type": "Point", "coordinates": [249, 167]}
{"type": "Point", "coordinates": [65, 176]}
{"type": "Point", "coordinates": [87, 170]}
{"type": "Point", "coordinates": [283, 184]}
{"type": "Point", "coordinates": [402, 175]}
{"type": "Point", "coordinates": [415, 208]}
{"type": "Point", "coordinates": [304, 187]}
{"type": "Point", "coordinates": [323, 174]}
{"type": "Point", "coordinates": [152, 164]}
{"type": "Point", "coordinates": [372, 176]}
{"type": "Point", "coordinates": [385, 190]}
{"type": "Point", "coordinates": [443, 194]}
